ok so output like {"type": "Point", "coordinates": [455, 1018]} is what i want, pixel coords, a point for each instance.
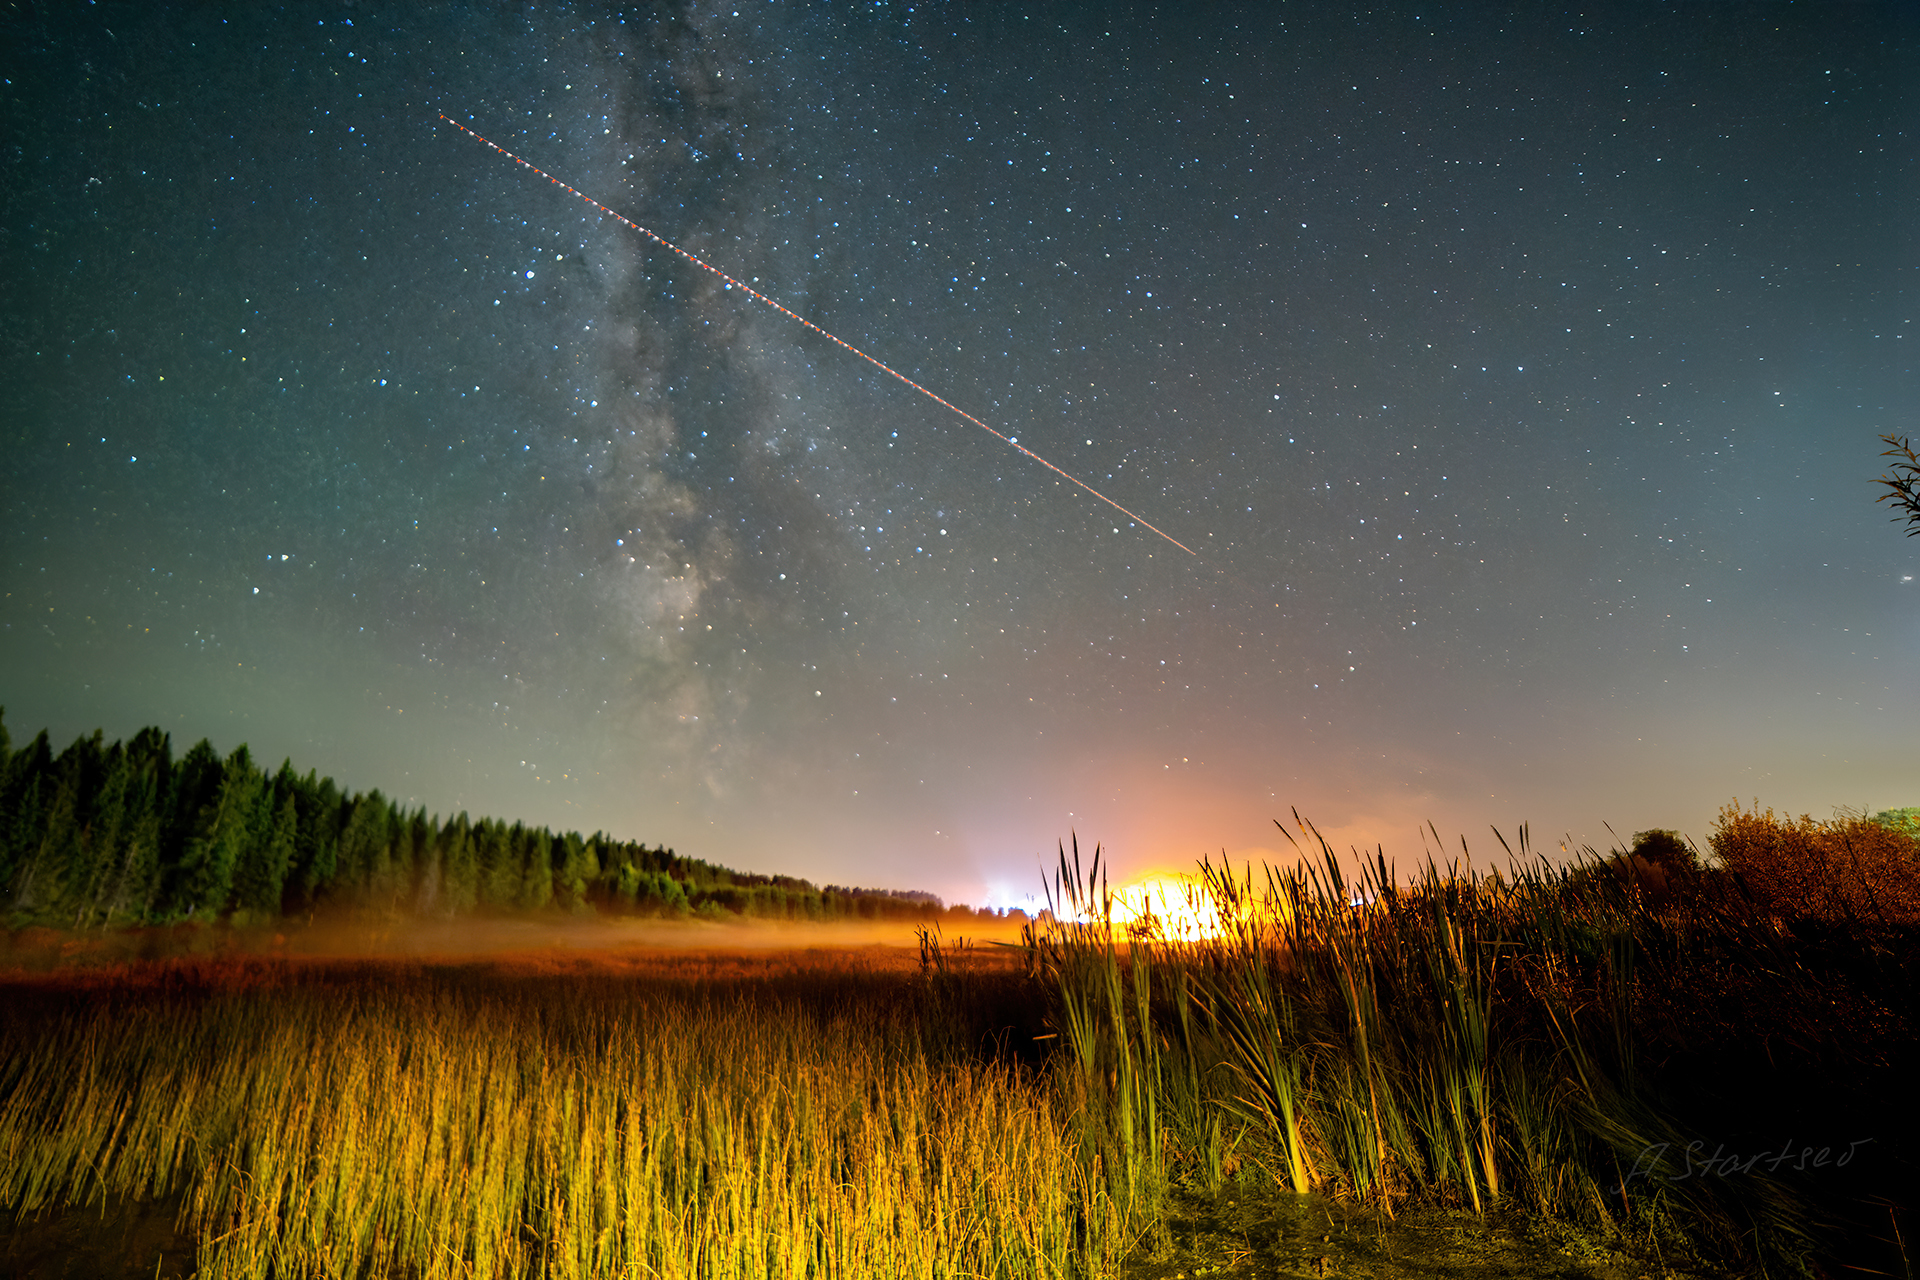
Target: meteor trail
{"type": "Point", "coordinates": [837, 341]}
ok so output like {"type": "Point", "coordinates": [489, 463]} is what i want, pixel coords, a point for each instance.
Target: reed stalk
{"type": "Point", "coordinates": [440, 1127]}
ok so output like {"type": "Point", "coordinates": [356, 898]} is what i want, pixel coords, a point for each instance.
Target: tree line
{"type": "Point", "coordinates": [123, 833]}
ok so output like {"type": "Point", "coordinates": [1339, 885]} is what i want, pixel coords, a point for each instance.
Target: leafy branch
{"type": "Point", "coordinates": [1903, 482]}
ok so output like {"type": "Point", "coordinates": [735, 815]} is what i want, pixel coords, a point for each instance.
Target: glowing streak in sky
{"type": "Point", "coordinates": [839, 342]}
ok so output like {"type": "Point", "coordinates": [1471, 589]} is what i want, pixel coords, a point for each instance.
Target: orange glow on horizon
{"type": "Point", "coordinates": [1178, 907]}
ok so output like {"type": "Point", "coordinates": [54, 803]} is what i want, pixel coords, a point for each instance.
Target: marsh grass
{"type": "Point", "coordinates": [445, 1124]}
{"type": "Point", "coordinates": [1463, 1039]}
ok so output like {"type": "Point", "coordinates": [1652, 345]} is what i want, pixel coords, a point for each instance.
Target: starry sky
{"type": "Point", "coordinates": [1515, 375]}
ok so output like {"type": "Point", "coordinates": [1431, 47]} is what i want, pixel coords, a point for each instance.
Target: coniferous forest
{"type": "Point", "coordinates": [126, 833]}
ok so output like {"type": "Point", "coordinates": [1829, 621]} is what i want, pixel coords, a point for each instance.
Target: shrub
{"type": "Point", "coordinates": [1658, 865]}
{"type": "Point", "coordinates": [1850, 868]}
{"type": "Point", "coordinates": [1668, 850]}
{"type": "Point", "coordinates": [1905, 820]}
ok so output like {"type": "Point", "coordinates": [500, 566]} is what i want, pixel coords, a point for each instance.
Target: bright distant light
{"type": "Point", "coordinates": [1178, 907]}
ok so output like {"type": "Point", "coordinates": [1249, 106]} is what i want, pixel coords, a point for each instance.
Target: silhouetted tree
{"type": "Point", "coordinates": [20, 795]}
{"type": "Point", "coordinates": [92, 878]}
{"type": "Point", "coordinates": [136, 878]}
{"type": "Point", "coordinates": [317, 841]}
{"type": "Point", "coordinates": [47, 835]}
{"type": "Point", "coordinates": [138, 856]}
{"type": "Point", "coordinates": [226, 830]}
{"type": "Point", "coordinates": [1667, 850]}
{"type": "Point", "coordinates": [196, 781]}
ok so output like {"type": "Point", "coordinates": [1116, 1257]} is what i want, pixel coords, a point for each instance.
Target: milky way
{"type": "Point", "coordinates": [1517, 381]}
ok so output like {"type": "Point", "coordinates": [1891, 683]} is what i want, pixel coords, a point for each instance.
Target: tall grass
{"type": "Point", "coordinates": [1455, 1038]}
{"type": "Point", "coordinates": [440, 1127]}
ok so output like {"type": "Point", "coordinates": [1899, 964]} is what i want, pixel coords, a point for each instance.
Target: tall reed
{"type": "Point", "coordinates": [443, 1126]}
{"type": "Point", "coordinates": [1456, 1037]}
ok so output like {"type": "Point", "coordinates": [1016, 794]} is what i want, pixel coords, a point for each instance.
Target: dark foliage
{"type": "Point", "coordinates": [125, 834]}
{"type": "Point", "coordinates": [1903, 482]}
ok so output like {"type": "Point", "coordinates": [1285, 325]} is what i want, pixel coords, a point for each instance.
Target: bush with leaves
{"type": "Point", "coordinates": [1906, 821]}
{"type": "Point", "coordinates": [1852, 868]}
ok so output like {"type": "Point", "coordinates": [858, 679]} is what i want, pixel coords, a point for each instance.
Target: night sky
{"type": "Point", "coordinates": [1516, 376]}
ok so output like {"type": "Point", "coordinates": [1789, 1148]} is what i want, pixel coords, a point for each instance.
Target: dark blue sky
{"type": "Point", "coordinates": [1516, 375]}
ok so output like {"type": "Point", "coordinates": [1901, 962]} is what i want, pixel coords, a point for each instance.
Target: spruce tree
{"type": "Point", "coordinates": [193, 787]}
{"type": "Point", "coordinates": [421, 852]}
{"type": "Point", "coordinates": [500, 871]}
{"type": "Point", "coordinates": [262, 873]}
{"type": "Point", "coordinates": [458, 867]}
{"type": "Point", "coordinates": [363, 857]}
{"type": "Point", "coordinates": [136, 881]}
{"type": "Point", "coordinates": [225, 830]}
{"type": "Point", "coordinates": [570, 873]}
{"type": "Point", "coordinates": [94, 872]}
{"type": "Point", "coordinates": [536, 886]}
{"type": "Point", "coordinates": [317, 843]}
{"type": "Point", "coordinates": [46, 823]}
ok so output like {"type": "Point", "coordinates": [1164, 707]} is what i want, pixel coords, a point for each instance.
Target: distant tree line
{"type": "Point", "coordinates": [124, 834]}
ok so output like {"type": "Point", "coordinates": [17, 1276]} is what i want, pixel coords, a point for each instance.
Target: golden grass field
{"type": "Point", "coordinates": [674, 1112]}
